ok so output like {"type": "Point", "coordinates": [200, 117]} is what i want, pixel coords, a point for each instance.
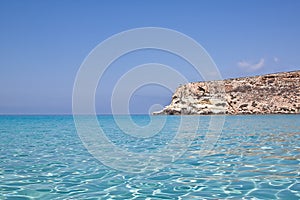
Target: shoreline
{"type": "Point", "coordinates": [276, 93]}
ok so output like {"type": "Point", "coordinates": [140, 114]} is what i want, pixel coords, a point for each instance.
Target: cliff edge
{"type": "Point", "coordinates": [267, 94]}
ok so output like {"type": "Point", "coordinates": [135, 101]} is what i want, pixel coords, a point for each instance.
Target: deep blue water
{"type": "Point", "coordinates": [255, 157]}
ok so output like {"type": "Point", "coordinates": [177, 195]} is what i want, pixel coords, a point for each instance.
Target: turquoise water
{"type": "Point", "coordinates": [256, 157]}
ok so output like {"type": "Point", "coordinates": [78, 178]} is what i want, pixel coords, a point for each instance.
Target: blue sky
{"type": "Point", "coordinates": [43, 43]}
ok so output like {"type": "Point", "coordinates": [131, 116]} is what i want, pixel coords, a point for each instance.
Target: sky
{"type": "Point", "coordinates": [44, 43]}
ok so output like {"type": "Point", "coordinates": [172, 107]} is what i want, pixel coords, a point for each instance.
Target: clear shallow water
{"type": "Point", "coordinates": [42, 157]}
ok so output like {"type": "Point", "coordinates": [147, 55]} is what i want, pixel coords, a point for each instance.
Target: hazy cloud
{"type": "Point", "coordinates": [276, 59]}
{"type": "Point", "coordinates": [251, 66]}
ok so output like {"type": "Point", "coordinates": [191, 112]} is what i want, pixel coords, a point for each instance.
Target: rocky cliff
{"type": "Point", "coordinates": [267, 94]}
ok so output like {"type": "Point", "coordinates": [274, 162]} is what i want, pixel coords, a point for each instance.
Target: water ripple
{"type": "Point", "coordinates": [41, 157]}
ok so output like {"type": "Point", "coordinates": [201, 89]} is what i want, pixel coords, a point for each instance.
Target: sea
{"type": "Point", "coordinates": [150, 157]}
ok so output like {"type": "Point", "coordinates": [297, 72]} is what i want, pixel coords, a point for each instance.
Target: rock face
{"type": "Point", "coordinates": [268, 94]}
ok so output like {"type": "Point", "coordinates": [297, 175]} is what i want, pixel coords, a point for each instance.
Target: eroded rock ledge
{"type": "Point", "coordinates": [268, 94]}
